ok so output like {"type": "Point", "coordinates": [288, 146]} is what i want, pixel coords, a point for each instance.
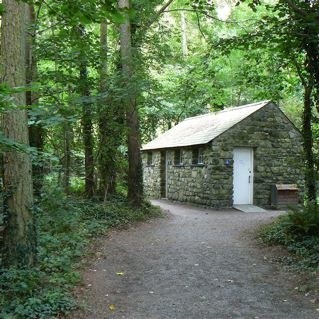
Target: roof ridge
{"type": "Point", "coordinates": [228, 109]}
{"type": "Point", "coordinates": [232, 108]}
{"type": "Point", "coordinates": [196, 116]}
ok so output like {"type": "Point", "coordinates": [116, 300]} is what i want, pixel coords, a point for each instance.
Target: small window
{"type": "Point", "coordinates": [178, 157]}
{"type": "Point", "coordinates": [198, 156]}
{"type": "Point", "coordinates": [195, 156]}
{"type": "Point", "coordinates": [149, 158]}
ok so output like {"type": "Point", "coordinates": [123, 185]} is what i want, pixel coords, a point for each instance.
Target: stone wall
{"type": "Point", "coordinates": [277, 159]}
{"type": "Point", "coordinates": [189, 182]}
{"type": "Point", "coordinates": [152, 175]}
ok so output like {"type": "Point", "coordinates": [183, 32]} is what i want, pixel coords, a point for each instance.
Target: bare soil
{"type": "Point", "coordinates": [195, 263]}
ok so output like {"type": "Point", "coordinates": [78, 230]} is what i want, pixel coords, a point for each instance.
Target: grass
{"type": "Point", "coordinates": [66, 227]}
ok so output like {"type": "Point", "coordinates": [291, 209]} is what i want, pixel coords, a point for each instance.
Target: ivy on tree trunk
{"type": "Point", "coordinates": [87, 125]}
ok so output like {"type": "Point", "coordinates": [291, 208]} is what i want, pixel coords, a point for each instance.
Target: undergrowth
{"type": "Point", "coordinates": [65, 228]}
{"type": "Point", "coordinates": [298, 231]}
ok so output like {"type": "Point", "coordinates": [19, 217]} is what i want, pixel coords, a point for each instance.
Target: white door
{"type": "Point", "coordinates": [243, 176]}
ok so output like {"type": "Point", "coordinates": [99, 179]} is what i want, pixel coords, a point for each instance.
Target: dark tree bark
{"type": "Point", "coordinates": [66, 161]}
{"type": "Point", "coordinates": [19, 236]}
{"type": "Point", "coordinates": [108, 137]}
{"type": "Point", "coordinates": [87, 125]}
{"type": "Point", "coordinates": [310, 173]}
{"type": "Point", "coordinates": [135, 179]}
{"type": "Point", "coordinates": [36, 131]}
{"type": "Point", "coordinates": [311, 98]}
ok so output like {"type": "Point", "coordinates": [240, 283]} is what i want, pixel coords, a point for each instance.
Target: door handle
{"type": "Point", "coordinates": [249, 178]}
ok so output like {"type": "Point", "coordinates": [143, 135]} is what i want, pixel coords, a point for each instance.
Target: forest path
{"type": "Point", "coordinates": [194, 263]}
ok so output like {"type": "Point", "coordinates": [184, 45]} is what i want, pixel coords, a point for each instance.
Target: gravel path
{"type": "Point", "coordinates": [193, 264]}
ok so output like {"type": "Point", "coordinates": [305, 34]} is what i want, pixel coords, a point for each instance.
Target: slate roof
{"type": "Point", "coordinates": [202, 129]}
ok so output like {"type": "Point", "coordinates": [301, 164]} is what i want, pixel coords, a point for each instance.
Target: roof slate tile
{"type": "Point", "coordinates": [202, 129]}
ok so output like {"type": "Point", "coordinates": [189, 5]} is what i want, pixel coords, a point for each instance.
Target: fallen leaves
{"type": "Point", "coordinates": [98, 254]}
{"type": "Point", "coordinates": [120, 273]}
{"type": "Point", "coordinates": [112, 307]}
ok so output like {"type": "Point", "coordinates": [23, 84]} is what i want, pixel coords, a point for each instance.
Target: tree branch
{"type": "Point", "coordinates": [199, 26]}
{"type": "Point", "coordinates": [299, 72]}
{"type": "Point", "coordinates": [295, 8]}
{"type": "Point", "coordinates": [157, 14]}
{"type": "Point", "coordinates": [148, 24]}
{"type": "Point", "coordinates": [202, 12]}
{"type": "Point", "coordinates": [212, 17]}
{"type": "Point", "coordinates": [164, 7]}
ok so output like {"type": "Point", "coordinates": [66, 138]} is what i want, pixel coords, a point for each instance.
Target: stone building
{"type": "Point", "coordinates": [221, 159]}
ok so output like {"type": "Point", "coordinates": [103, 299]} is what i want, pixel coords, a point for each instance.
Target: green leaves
{"type": "Point", "coordinates": [7, 144]}
{"type": "Point", "coordinates": [298, 233]}
{"type": "Point", "coordinates": [2, 9]}
{"type": "Point", "coordinates": [76, 12]}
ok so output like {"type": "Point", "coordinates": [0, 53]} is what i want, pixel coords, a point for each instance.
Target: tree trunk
{"type": "Point", "coordinates": [310, 172]}
{"type": "Point", "coordinates": [108, 137]}
{"type": "Point", "coordinates": [103, 56]}
{"type": "Point", "coordinates": [184, 35]}
{"type": "Point", "coordinates": [66, 162]}
{"type": "Point", "coordinates": [135, 180]}
{"type": "Point", "coordinates": [36, 131]}
{"type": "Point", "coordinates": [87, 125]}
{"type": "Point", "coordinates": [311, 48]}
{"type": "Point", "coordinates": [19, 235]}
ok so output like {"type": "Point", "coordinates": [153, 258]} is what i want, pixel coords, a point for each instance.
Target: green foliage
{"type": "Point", "coordinates": [2, 9]}
{"type": "Point", "coordinates": [298, 231]}
{"type": "Point", "coordinates": [303, 222]}
{"type": "Point", "coordinates": [65, 228]}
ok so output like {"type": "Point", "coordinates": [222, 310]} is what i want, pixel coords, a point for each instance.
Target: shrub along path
{"type": "Point", "coordinates": [194, 263]}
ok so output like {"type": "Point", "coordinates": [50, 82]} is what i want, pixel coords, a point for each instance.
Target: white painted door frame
{"type": "Point", "coordinates": [243, 175]}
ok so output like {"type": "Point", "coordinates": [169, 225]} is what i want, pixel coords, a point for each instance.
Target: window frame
{"type": "Point", "coordinates": [149, 158]}
{"type": "Point", "coordinates": [200, 159]}
{"type": "Point", "coordinates": [178, 157]}
{"type": "Point", "coordinates": [198, 156]}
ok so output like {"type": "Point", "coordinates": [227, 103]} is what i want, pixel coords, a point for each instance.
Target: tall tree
{"type": "Point", "coordinates": [109, 138]}
{"type": "Point", "coordinates": [19, 233]}
{"type": "Point", "coordinates": [36, 130]}
{"type": "Point", "coordinates": [135, 180]}
{"type": "Point", "coordinates": [87, 123]}
{"type": "Point", "coordinates": [66, 160]}
{"type": "Point", "coordinates": [184, 34]}
{"type": "Point", "coordinates": [306, 16]}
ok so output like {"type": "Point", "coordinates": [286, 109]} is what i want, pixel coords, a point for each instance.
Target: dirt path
{"type": "Point", "coordinates": [193, 264]}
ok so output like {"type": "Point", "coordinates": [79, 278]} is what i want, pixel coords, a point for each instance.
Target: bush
{"type": "Point", "coordinates": [298, 231]}
{"type": "Point", "coordinates": [304, 221]}
{"type": "Point", "coordinates": [65, 227]}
